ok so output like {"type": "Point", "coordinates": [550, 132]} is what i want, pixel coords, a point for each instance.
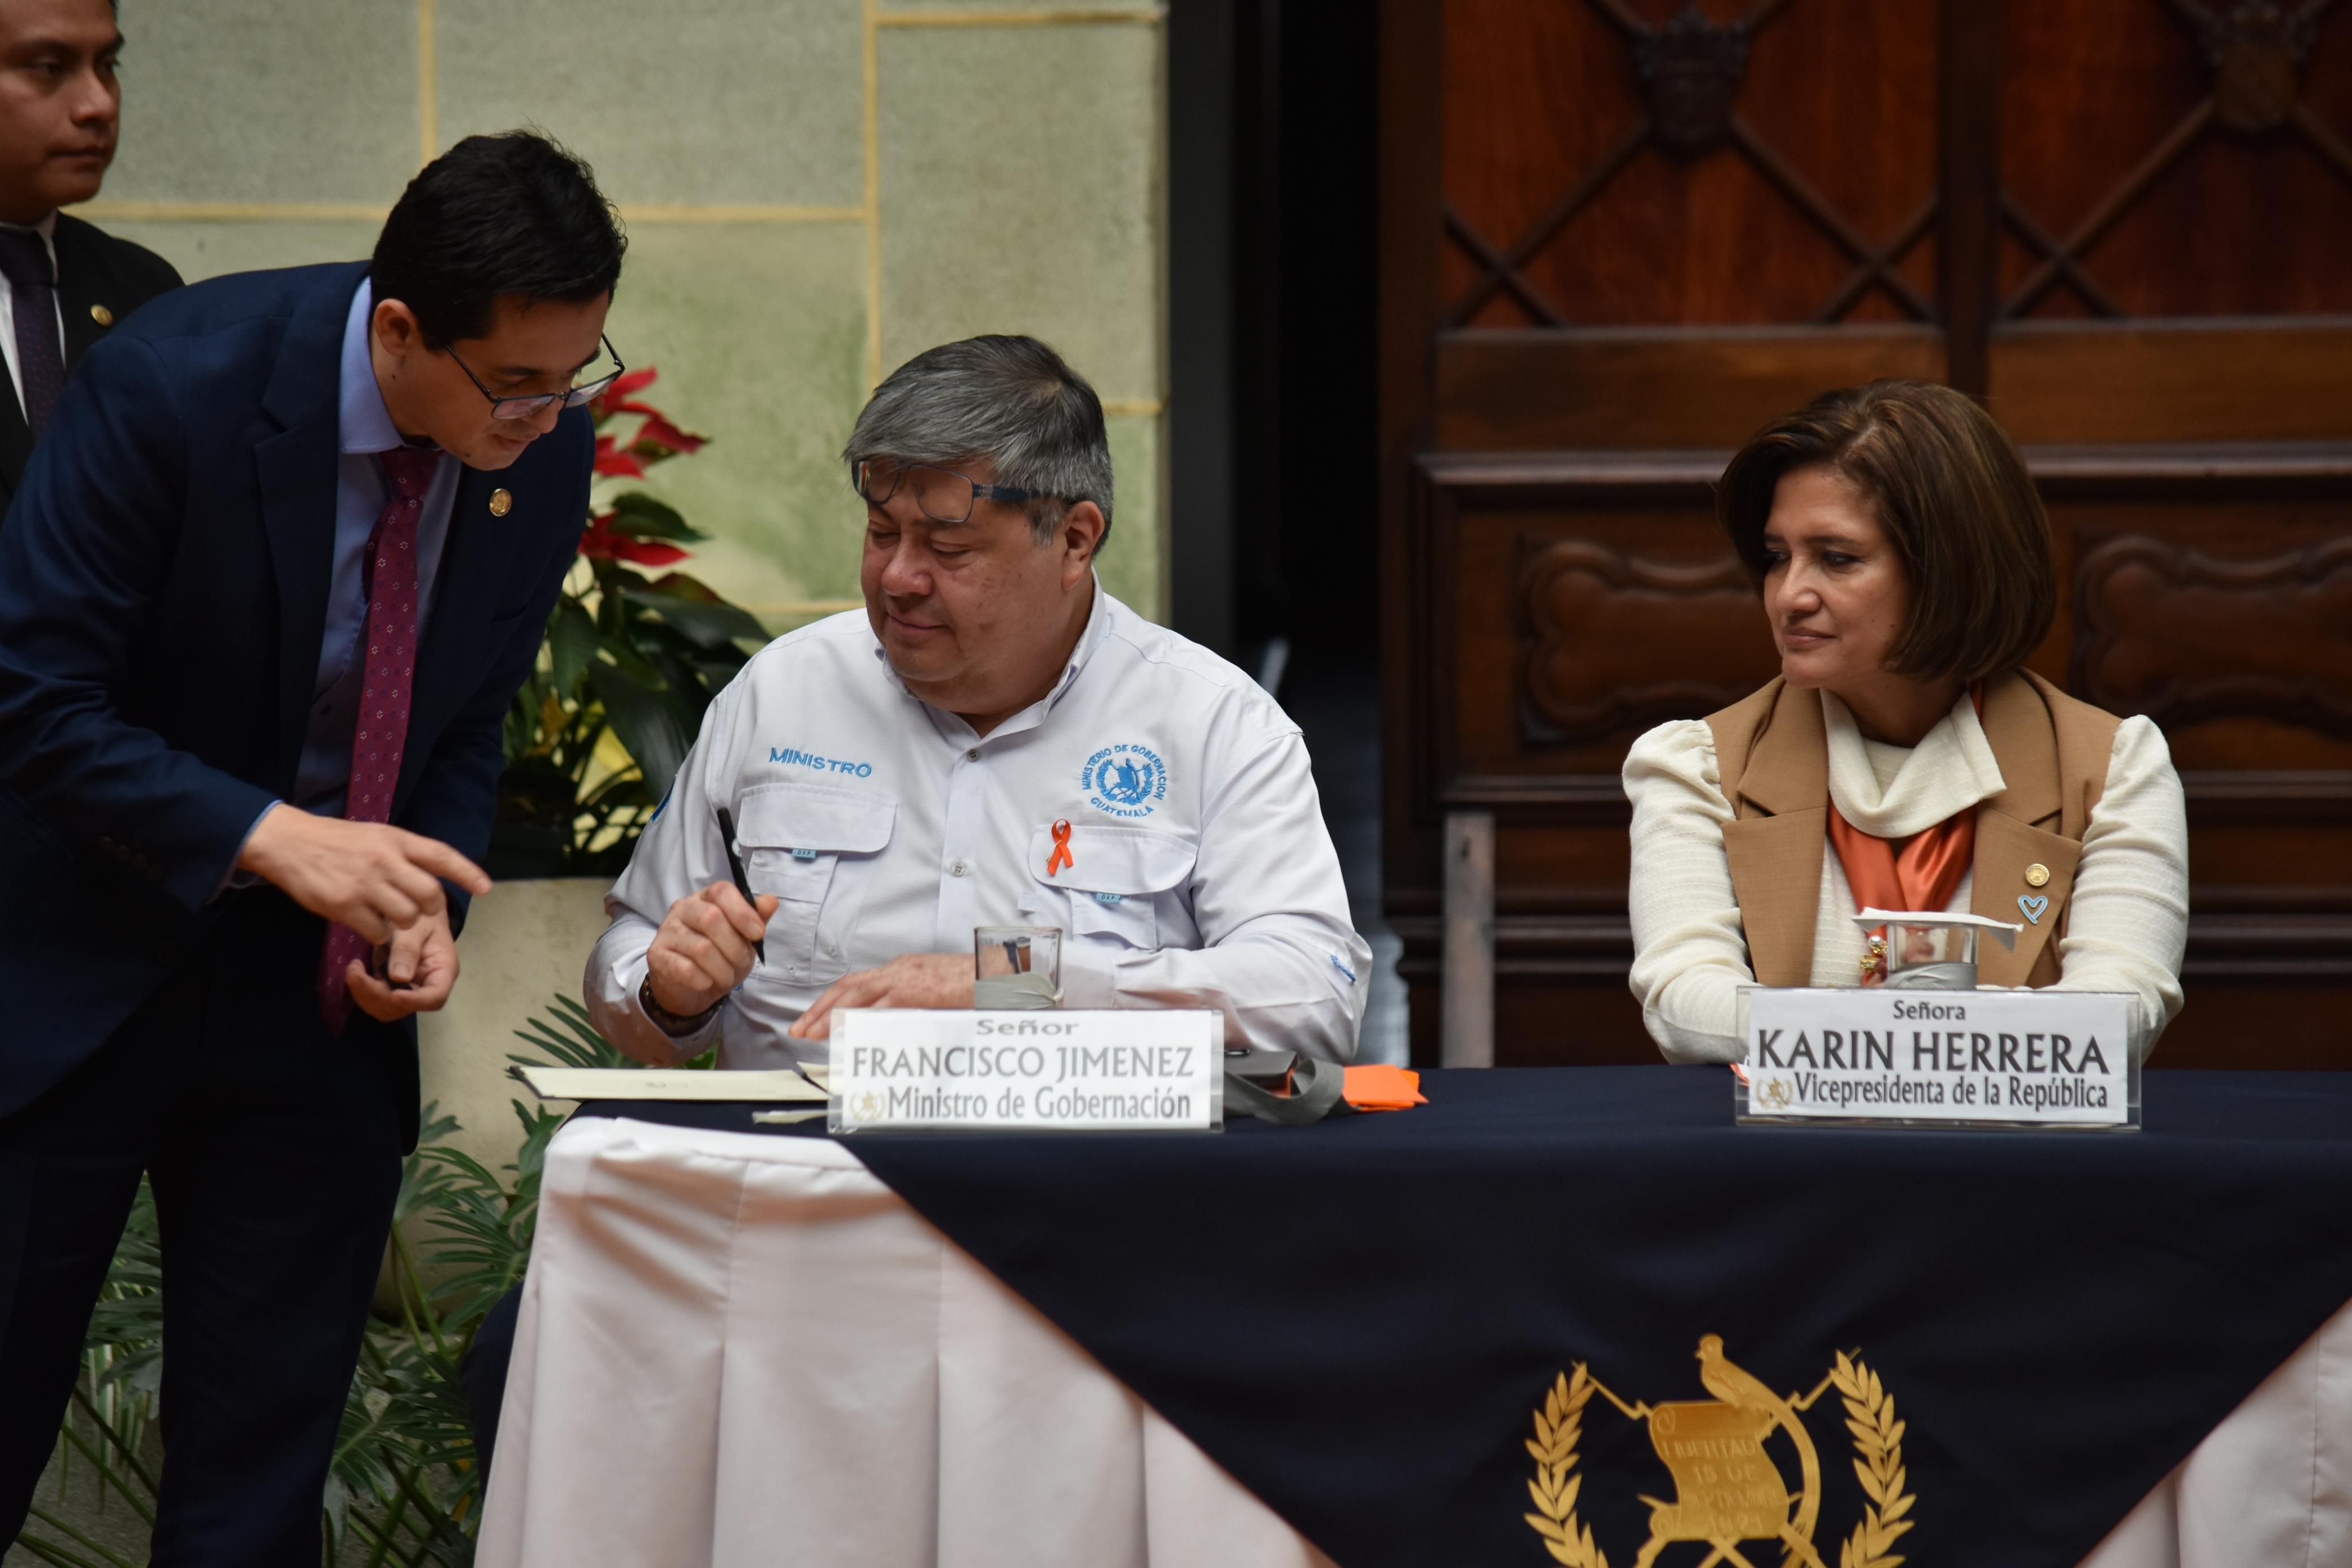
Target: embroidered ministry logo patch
{"type": "Point", "coordinates": [1125, 780]}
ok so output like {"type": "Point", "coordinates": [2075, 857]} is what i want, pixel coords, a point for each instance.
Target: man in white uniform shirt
{"type": "Point", "coordinates": [995, 740]}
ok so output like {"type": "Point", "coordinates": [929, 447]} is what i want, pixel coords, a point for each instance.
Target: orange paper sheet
{"type": "Point", "coordinates": [1379, 1087]}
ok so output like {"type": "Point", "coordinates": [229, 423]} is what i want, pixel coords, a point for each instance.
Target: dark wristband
{"type": "Point", "coordinates": [668, 1023]}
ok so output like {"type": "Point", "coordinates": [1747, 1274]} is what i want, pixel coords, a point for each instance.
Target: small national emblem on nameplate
{"type": "Point", "coordinates": [1729, 1488]}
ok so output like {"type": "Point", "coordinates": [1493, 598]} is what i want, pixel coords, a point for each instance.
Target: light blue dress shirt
{"type": "Point", "coordinates": [364, 428]}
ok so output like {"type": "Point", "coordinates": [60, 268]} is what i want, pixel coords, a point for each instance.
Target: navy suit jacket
{"type": "Point", "coordinates": [164, 575]}
{"type": "Point", "coordinates": [96, 271]}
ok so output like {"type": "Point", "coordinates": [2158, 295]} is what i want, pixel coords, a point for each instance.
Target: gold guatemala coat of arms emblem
{"type": "Point", "coordinates": [1729, 1489]}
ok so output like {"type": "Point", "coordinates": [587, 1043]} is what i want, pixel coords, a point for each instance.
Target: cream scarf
{"type": "Point", "coordinates": [1950, 769]}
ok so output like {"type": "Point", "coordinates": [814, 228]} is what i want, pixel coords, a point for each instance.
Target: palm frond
{"type": "Point", "coordinates": [571, 1037]}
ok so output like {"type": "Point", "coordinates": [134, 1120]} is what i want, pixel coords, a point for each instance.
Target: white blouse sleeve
{"type": "Point", "coordinates": [2128, 927]}
{"type": "Point", "coordinates": [1690, 957]}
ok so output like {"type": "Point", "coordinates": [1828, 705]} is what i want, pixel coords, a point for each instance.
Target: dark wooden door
{"type": "Point", "coordinates": [1618, 236]}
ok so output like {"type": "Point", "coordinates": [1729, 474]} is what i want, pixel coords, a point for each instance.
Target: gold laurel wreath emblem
{"type": "Point", "coordinates": [1558, 1425]}
{"type": "Point", "coordinates": [1877, 1464]}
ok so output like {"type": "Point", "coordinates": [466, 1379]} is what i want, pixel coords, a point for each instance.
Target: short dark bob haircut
{"type": "Point", "coordinates": [1952, 493]}
{"type": "Point", "coordinates": [494, 216]}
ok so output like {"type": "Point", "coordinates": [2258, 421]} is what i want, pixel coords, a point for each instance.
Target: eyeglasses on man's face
{"type": "Point", "coordinates": [943, 494]}
{"type": "Point", "coordinates": [532, 405]}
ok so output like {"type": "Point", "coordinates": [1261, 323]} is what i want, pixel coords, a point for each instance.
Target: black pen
{"type": "Point", "coordinates": [742, 882]}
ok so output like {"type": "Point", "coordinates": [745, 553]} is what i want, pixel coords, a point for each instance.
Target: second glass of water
{"type": "Point", "coordinates": [1017, 967]}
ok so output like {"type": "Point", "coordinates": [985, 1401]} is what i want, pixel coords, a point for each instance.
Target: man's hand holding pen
{"type": "Point", "coordinates": [703, 949]}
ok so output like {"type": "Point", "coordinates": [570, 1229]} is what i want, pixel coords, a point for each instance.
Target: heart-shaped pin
{"type": "Point", "coordinates": [2031, 908]}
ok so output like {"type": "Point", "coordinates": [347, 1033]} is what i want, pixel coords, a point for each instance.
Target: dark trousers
{"type": "Point", "coordinates": [482, 1374]}
{"type": "Point", "coordinates": [274, 1150]}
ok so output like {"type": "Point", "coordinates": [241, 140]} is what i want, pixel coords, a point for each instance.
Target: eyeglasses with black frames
{"type": "Point", "coordinates": [944, 495]}
{"type": "Point", "coordinates": [536, 404]}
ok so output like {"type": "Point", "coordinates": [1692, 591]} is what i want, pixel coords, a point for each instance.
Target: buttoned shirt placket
{"type": "Point", "coordinates": [969, 784]}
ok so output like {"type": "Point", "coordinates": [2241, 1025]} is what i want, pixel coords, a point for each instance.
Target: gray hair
{"type": "Point", "coordinates": [1011, 401]}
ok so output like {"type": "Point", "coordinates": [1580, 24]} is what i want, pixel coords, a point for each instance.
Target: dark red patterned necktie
{"type": "Point", "coordinates": [33, 302]}
{"type": "Point", "coordinates": [388, 576]}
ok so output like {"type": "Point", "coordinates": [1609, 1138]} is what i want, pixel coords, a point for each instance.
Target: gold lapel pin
{"type": "Point", "coordinates": [503, 502]}
{"type": "Point", "coordinates": [101, 315]}
{"type": "Point", "coordinates": [2037, 874]}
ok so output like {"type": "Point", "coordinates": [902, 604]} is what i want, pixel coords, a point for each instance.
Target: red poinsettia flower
{"type": "Point", "coordinates": [615, 398]}
{"type": "Point", "coordinates": [614, 463]}
{"type": "Point", "coordinates": [657, 432]}
{"type": "Point", "coordinates": [600, 542]}
{"type": "Point", "coordinates": [657, 436]}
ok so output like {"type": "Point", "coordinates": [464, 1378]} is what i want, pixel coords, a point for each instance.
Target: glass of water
{"type": "Point", "coordinates": [1931, 956]}
{"type": "Point", "coordinates": [1017, 967]}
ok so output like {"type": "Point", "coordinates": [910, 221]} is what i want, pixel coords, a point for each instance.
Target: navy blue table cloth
{"type": "Point", "coordinates": [1364, 1319]}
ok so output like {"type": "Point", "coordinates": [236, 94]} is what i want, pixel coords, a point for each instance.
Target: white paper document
{"type": "Point", "coordinates": [655, 1084]}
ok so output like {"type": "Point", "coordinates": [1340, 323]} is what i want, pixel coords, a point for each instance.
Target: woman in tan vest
{"type": "Point", "coordinates": [1904, 758]}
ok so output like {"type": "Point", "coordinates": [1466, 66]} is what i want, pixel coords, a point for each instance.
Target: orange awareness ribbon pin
{"type": "Point", "coordinates": [1061, 856]}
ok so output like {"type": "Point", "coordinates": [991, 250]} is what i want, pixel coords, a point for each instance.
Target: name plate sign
{"type": "Point", "coordinates": [1951, 1059]}
{"type": "Point", "coordinates": [925, 1071]}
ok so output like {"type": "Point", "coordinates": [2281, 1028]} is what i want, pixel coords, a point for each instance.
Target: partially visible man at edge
{"type": "Point", "coordinates": [63, 283]}
{"type": "Point", "coordinates": [994, 740]}
{"type": "Point", "coordinates": [265, 596]}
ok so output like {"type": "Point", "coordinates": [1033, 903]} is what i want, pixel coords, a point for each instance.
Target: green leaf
{"type": "Point", "coordinates": [612, 576]}
{"type": "Point", "coordinates": [620, 794]}
{"type": "Point", "coordinates": [716, 673]}
{"type": "Point", "coordinates": [571, 1037]}
{"type": "Point", "coordinates": [630, 661]}
{"type": "Point", "coordinates": [646, 722]}
{"type": "Point", "coordinates": [682, 689]}
{"type": "Point", "coordinates": [639, 516]}
{"type": "Point", "coordinates": [709, 624]}
{"type": "Point", "coordinates": [686, 585]}
{"type": "Point", "coordinates": [51, 1552]}
{"type": "Point", "coordinates": [572, 638]}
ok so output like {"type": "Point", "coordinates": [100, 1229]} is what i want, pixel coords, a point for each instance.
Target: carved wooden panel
{"type": "Point", "coordinates": [2174, 158]}
{"type": "Point", "coordinates": [1592, 623]}
{"type": "Point", "coordinates": [2185, 637]}
{"type": "Point", "coordinates": [1614, 161]}
{"type": "Point", "coordinates": [1520, 392]}
{"type": "Point", "coordinates": [2236, 378]}
{"type": "Point", "coordinates": [1583, 602]}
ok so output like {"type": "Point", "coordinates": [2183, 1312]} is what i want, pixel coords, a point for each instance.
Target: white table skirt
{"type": "Point", "coordinates": [739, 1350]}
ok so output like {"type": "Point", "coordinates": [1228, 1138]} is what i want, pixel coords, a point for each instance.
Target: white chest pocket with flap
{"type": "Point", "coordinates": [813, 848]}
{"type": "Point", "coordinates": [1109, 891]}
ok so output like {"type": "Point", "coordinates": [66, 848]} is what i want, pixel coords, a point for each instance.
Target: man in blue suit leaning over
{"type": "Point", "coordinates": [266, 595]}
